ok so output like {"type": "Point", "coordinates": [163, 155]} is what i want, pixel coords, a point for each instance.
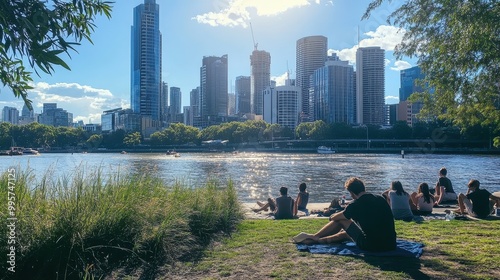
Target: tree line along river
{"type": "Point", "coordinates": [259, 175]}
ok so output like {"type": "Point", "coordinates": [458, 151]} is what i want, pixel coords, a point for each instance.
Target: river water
{"type": "Point", "coordinates": [259, 175]}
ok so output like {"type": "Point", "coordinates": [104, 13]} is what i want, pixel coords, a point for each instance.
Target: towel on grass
{"type": "Point", "coordinates": [405, 248]}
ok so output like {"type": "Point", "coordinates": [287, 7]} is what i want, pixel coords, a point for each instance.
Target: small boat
{"type": "Point", "coordinates": [177, 155]}
{"type": "Point", "coordinates": [123, 152]}
{"type": "Point", "coordinates": [16, 151]}
{"type": "Point", "coordinates": [30, 151]}
{"type": "Point", "coordinates": [325, 150]}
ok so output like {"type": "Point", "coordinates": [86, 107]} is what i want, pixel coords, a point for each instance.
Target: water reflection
{"type": "Point", "coordinates": [258, 176]}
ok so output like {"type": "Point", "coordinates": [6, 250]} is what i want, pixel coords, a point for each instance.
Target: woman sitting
{"type": "Point", "coordinates": [422, 201]}
{"type": "Point", "coordinates": [399, 200]}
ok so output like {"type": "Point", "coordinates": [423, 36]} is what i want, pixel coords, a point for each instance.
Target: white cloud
{"type": "Point", "coordinates": [237, 12]}
{"type": "Point", "coordinates": [391, 99]}
{"type": "Point", "coordinates": [84, 102]}
{"type": "Point", "coordinates": [280, 80]}
{"type": "Point", "coordinates": [401, 65]}
{"type": "Point", "coordinates": [385, 37]}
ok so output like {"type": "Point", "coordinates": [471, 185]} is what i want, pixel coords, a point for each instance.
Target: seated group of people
{"type": "Point", "coordinates": [284, 207]}
{"type": "Point", "coordinates": [476, 202]}
{"type": "Point", "coordinates": [368, 219]}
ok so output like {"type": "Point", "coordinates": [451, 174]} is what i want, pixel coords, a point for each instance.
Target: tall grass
{"type": "Point", "coordinates": [86, 226]}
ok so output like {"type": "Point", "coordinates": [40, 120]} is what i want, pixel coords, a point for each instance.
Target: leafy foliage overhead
{"type": "Point", "coordinates": [458, 48]}
{"type": "Point", "coordinates": [38, 31]}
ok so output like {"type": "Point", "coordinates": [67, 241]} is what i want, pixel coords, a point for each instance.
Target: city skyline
{"type": "Point", "coordinates": [100, 76]}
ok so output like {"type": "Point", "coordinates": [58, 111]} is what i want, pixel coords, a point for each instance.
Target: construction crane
{"type": "Point", "coordinates": [253, 39]}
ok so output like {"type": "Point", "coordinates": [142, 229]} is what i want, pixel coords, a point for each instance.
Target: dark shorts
{"type": "Point", "coordinates": [359, 237]}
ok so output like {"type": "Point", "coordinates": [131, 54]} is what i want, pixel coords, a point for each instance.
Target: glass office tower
{"type": "Point", "coordinates": [145, 93]}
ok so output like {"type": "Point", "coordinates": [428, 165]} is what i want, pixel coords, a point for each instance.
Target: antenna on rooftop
{"type": "Point", "coordinates": [253, 39]}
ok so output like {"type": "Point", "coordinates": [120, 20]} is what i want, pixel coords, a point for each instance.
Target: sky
{"type": "Point", "coordinates": [191, 29]}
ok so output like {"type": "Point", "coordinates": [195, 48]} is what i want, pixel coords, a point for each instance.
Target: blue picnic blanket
{"type": "Point", "coordinates": [405, 248]}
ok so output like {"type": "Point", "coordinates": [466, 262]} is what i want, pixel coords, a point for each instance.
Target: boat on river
{"type": "Point", "coordinates": [325, 150]}
{"type": "Point", "coordinates": [16, 151]}
{"type": "Point", "coordinates": [30, 151]}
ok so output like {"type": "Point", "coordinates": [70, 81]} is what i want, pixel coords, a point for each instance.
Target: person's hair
{"type": "Point", "coordinates": [443, 171]}
{"type": "Point", "coordinates": [398, 187]}
{"type": "Point", "coordinates": [302, 187]}
{"type": "Point", "coordinates": [354, 185]}
{"type": "Point", "coordinates": [473, 184]}
{"type": "Point", "coordinates": [283, 190]}
{"type": "Point", "coordinates": [423, 188]}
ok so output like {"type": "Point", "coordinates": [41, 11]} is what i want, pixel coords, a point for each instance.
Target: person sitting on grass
{"type": "Point", "coordinates": [422, 201]}
{"type": "Point", "coordinates": [302, 200]}
{"type": "Point", "coordinates": [444, 189]}
{"type": "Point", "coordinates": [477, 202]}
{"type": "Point", "coordinates": [399, 200]}
{"type": "Point", "coordinates": [282, 207]}
{"type": "Point", "coordinates": [367, 220]}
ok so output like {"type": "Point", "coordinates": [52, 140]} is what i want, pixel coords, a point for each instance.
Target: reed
{"type": "Point", "coordinates": [89, 225]}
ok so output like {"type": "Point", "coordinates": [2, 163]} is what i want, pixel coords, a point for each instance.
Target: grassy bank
{"type": "Point", "coordinates": [86, 226]}
{"type": "Point", "coordinates": [261, 249]}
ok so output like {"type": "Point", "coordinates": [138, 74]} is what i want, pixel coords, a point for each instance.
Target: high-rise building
{"type": "Point", "coordinates": [231, 104]}
{"type": "Point", "coordinates": [243, 93]}
{"type": "Point", "coordinates": [409, 83]}
{"type": "Point", "coordinates": [282, 105]}
{"type": "Point", "coordinates": [194, 101]}
{"type": "Point", "coordinates": [27, 116]}
{"type": "Point", "coordinates": [175, 100]}
{"type": "Point", "coordinates": [213, 88]}
{"type": "Point", "coordinates": [164, 101]}
{"type": "Point", "coordinates": [54, 116]}
{"type": "Point", "coordinates": [311, 54]}
{"type": "Point", "coordinates": [260, 62]}
{"type": "Point", "coordinates": [10, 115]}
{"type": "Point", "coordinates": [370, 85]}
{"type": "Point", "coordinates": [146, 61]}
{"type": "Point", "coordinates": [333, 94]}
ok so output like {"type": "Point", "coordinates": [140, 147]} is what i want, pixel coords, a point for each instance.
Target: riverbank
{"type": "Point", "coordinates": [438, 212]}
{"type": "Point", "coordinates": [397, 151]}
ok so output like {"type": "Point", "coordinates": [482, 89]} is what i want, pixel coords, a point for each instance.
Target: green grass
{"type": "Point", "coordinates": [261, 249]}
{"type": "Point", "coordinates": [89, 226]}
{"type": "Point", "coordinates": [86, 226]}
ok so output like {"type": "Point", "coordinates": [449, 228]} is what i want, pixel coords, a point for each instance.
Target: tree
{"type": "Point", "coordinates": [458, 48]}
{"type": "Point", "coordinates": [37, 31]}
{"type": "Point", "coordinates": [132, 139]}
{"type": "Point", "coordinates": [94, 141]}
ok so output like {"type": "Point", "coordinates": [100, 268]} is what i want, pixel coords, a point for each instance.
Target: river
{"type": "Point", "coordinates": [259, 175]}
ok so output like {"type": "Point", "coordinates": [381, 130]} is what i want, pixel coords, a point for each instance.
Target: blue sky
{"type": "Point", "coordinates": [100, 73]}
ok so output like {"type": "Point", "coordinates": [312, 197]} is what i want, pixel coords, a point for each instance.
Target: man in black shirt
{"type": "Point", "coordinates": [367, 220]}
{"type": "Point", "coordinates": [477, 202]}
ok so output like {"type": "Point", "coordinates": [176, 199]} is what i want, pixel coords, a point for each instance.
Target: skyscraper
{"type": "Point", "coordinates": [194, 101]}
{"type": "Point", "coordinates": [282, 105]}
{"type": "Point", "coordinates": [260, 62]}
{"type": "Point", "coordinates": [370, 85]}
{"type": "Point", "coordinates": [213, 87]}
{"type": "Point", "coordinates": [145, 97]}
{"type": "Point", "coordinates": [175, 101]}
{"type": "Point", "coordinates": [311, 54]}
{"type": "Point", "coordinates": [164, 101]}
{"type": "Point", "coordinates": [243, 94]}
{"type": "Point", "coordinates": [333, 92]}
{"type": "Point", "coordinates": [10, 115]}
{"type": "Point", "coordinates": [409, 84]}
